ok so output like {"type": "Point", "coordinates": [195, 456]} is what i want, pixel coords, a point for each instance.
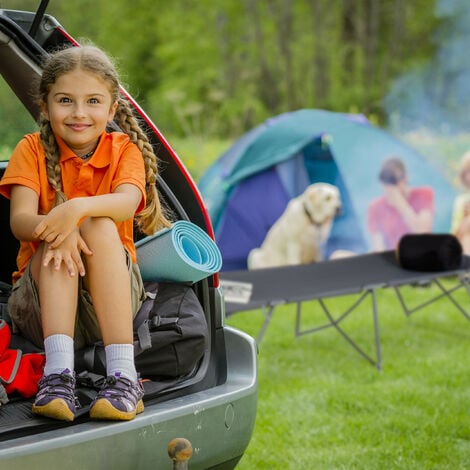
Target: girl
{"type": "Point", "coordinates": [461, 211]}
{"type": "Point", "coordinates": [74, 189]}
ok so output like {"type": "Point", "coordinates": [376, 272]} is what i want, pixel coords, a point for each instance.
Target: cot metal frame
{"type": "Point", "coordinates": [361, 275]}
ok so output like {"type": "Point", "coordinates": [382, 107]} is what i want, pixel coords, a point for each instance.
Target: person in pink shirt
{"type": "Point", "coordinates": [400, 210]}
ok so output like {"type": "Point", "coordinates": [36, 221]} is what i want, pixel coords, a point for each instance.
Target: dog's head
{"type": "Point", "coordinates": [322, 202]}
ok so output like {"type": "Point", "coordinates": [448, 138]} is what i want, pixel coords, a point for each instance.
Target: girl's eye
{"type": "Point", "coordinates": [93, 100]}
{"type": "Point", "coordinates": [64, 99]}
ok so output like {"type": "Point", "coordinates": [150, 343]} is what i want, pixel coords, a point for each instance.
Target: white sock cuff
{"type": "Point", "coordinates": [120, 360]}
{"type": "Point", "coordinates": [58, 343]}
{"type": "Point", "coordinates": [119, 351]}
{"type": "Point", "coordinates": [59, 354]}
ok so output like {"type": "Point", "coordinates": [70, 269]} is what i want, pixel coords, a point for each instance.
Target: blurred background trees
{"type": "Point", "coordinates": [218, 68]}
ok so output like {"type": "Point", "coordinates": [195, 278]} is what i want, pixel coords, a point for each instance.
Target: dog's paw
{"type": "Point", "coordinates": [254, 260]}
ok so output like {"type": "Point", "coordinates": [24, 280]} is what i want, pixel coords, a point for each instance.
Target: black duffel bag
{"type": "Point", "coordinates": [170, 335]}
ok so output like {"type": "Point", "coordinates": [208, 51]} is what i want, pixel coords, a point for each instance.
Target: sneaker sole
{"type": "Point", "coordinates": [56, 408]}
{"type": "Point", "coordinates": [102, 409]}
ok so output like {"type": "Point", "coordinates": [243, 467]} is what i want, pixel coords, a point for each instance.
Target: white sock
{"type": "Point", "coordinates": [120, 360]}
{"type": "Point", "coordinates": [59, 354]}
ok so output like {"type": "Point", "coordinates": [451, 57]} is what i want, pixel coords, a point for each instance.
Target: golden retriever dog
{"type": "Point", "coordinates": [299, 233]}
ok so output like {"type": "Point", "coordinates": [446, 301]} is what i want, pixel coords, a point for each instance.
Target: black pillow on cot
{"type": "Point", "coordinates": [429, 252]}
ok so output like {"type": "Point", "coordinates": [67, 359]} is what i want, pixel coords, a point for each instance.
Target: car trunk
{"type": "Point", "coordinates": [20, 56]}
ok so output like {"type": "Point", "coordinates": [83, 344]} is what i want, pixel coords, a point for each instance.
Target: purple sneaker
{"type": "Point", "coordinates": [119, 399]}
{"type": "Point", "coordinates": [56, 396]}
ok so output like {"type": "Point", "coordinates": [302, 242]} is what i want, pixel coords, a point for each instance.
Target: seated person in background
{"type": "Point", "coordinates": [461, 212]}
{"type": "Point", "coordinates": [401, 209]}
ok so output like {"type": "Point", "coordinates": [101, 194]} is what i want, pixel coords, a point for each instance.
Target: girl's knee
{"type": "Point", "coordinates": [99, 228]}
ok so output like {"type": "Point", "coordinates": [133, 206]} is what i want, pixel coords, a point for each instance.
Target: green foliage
{"type": "Point", "coordinates": [322, 406]}
{"type": "Point", "coordinates": [215, 68]}
{"type": "Point", "coordinates": [15, 120]}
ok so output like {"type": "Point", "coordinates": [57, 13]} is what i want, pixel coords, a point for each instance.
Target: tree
{"type": "Point", "coordinates": [219, 68]}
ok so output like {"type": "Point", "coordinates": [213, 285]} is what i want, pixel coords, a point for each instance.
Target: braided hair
{"type": "Point", "coordinates": [92, 59]}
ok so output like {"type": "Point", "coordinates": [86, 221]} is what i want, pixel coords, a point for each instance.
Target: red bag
{"type": "Point", "coordinates": [19, 373]}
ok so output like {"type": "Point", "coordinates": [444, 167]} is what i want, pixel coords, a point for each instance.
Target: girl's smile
{"type": "Point", "coordinates": [79, 106]}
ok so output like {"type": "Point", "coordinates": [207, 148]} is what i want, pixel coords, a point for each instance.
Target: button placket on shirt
{"type": "Point", "coordinates": [84, 183]}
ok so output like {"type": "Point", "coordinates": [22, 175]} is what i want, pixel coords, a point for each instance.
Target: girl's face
{"type": "Point", "coordinates": [465, 176]}
{"type": "Point", "coordinates": [79, 106]}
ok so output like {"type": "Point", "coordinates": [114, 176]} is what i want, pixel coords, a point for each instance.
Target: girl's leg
{"type": "Point", "coordinates": [58, 293]}
{"type": "Point", "coordinates": [108, 282]}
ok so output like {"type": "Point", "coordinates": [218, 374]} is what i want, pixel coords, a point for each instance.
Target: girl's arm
{"type": "Point", "coordinates": [417, 221]}
{"type": "Point", "coordinates": [378, 243]}
{"type": "Point", "coordinates": [120, 205]}
{"type": "Point", "coordinates": [23, 220]}
{"type": "Point", "coordinates": [64, 218]}
{"type": "Point", "coordinates": [24, 215]}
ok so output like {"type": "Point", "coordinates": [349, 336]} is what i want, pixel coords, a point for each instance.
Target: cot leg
{"type": "Point", "coordinates": [449, 296]}
{"type": "Point", "coordinates": [444, 293]}
{"type": "Point", "coordinates": [298, 313]}
{"type": "Point", "coordinates": [402, 301]}
{"type": "Point", "coordinates": [464, 278]}
{"type": "Point", "coordinates": [335, 323]}
{"type": "Point", "coordinates": [378, 348]}
{"type": "Point", "coordinates": [268, 313]}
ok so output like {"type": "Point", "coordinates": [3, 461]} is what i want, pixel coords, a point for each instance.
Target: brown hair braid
{"type": "Point", "coordinates": [92, 59]}
{"type": "Point", "coordinates": [52, 159]}
{"type": "Point", "coordinates": [153, 217]}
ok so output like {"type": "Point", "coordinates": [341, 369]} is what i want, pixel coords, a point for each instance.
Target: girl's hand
{"type": "Point", "coordinates": [466, 209]}
{"type": "Point", "coordinates": [58, 224]}
{"type": "Point", "coordinates": [69, 253]}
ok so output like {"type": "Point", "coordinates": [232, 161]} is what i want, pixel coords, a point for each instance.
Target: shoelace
{"type": "Point", "coordinates": [59, 384]}
{"type": "Point", "coordinates": [121, 388]}
{"type": "Point", "coordinates": [63, 380]}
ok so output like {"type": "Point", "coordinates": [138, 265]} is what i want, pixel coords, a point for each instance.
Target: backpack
{"type": "Point", "coordinates": [170, 335]}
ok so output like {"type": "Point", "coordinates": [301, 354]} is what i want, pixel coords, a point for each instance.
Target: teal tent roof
{"type": "Point", "coordinates": [358, 148]}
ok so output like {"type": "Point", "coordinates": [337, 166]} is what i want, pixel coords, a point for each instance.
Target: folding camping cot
{"type": "Point", "coordinates": [362, 275]}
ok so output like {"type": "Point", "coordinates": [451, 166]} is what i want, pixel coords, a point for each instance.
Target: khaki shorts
{"type": "Point", "coordinates": [25, 311]}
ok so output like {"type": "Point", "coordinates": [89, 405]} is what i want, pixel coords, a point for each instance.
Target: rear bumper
{"type": "Point", "coordinates": [218, 422]}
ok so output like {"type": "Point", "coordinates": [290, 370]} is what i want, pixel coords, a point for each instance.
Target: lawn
{"type": "Point", "coordinates": [322, 406]}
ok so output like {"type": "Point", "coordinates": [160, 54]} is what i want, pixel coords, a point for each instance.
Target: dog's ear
{"type": "Point", "coordinates": [312, 193]}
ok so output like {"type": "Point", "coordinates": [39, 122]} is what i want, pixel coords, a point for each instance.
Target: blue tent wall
{"type": "Point", "coordinates": [346, 233]}
{"type": "Point", "coordinates": [255, 204]}
{"type": "Point", "coordinates": [259, 200]}
{"type": "Point", "coordinates": [297, 148]}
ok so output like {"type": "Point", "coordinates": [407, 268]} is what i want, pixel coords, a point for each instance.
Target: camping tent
{"type": "Point", "coordinates": [248, 187]}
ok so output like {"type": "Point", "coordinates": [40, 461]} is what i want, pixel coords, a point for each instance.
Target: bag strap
{"type": "Point", "coordinates": [151, 291]}
{"type": "Point", "coordinates": [14, 369]}
{"type": "Point", "coordinates": [90, 380]}
{"type": "Point", "coordinates": [3, 395]}
{"type": "Point", "coordinates": [141, 320]}
{"type": "Point", "coordinates": [89, 357]}
{"type": "Point", "coordinates": [143, 334]}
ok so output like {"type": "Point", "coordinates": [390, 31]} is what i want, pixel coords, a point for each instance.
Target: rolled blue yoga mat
{"type": "Point", "coordinates": [182, 253]}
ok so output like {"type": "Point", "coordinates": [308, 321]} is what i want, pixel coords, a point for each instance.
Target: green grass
{"type": "Point", "coordinates": [322, 406]}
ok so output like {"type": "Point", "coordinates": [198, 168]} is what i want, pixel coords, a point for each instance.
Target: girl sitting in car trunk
{"type": "Point", "coordinates": [74, 190]}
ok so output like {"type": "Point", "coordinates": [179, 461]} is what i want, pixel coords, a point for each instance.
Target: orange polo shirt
{"type": "Point", "coordinates": [116, 161]}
